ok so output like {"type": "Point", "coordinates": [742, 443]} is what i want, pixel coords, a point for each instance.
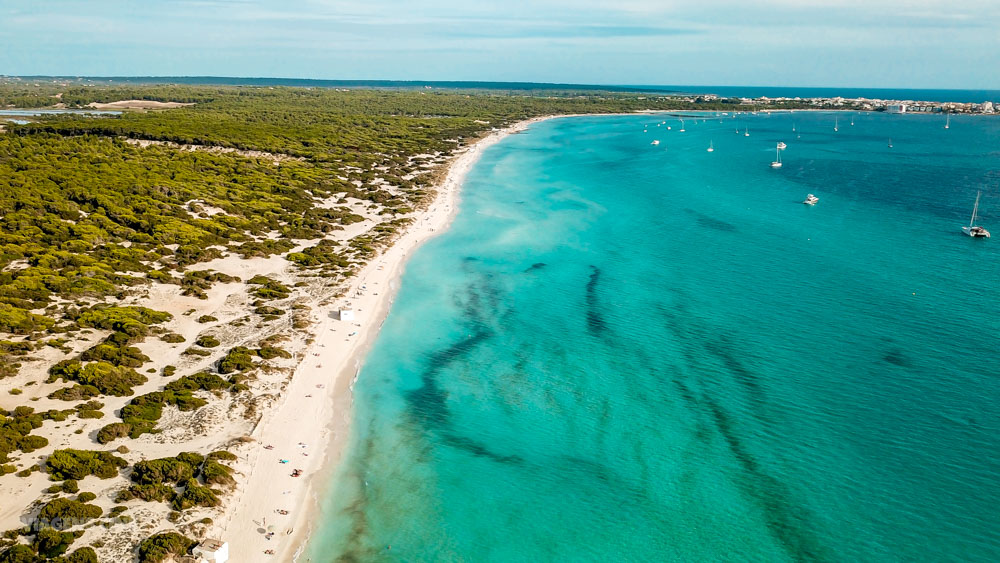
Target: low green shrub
{"type": "Point", "coordinates": [62, 513]}
{"type": "Point", "coordinates": [159, 547]}
{"type": "Point", "coordinates": [77, 464]}
{"type": "Point", "coordinates": [207, 341]}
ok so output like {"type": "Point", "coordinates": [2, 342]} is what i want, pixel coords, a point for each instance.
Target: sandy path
{"type": "Point", "coordinates": [310, 426]}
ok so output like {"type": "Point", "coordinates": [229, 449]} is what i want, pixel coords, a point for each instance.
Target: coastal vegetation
{"type": "Point", "coordinates": [78, 464]}
{"type": "Point", "coordinates": [139, 416]}
{"type": "Point", "coordinates": [159, 547]}
{"type": "Point", "coordinates": [184, 481]}
{"type": "Point", "coordinates": [98, 212]}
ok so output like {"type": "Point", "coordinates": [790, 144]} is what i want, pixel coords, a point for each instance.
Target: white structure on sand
{"type": "Point", "coordinates": [211, 551]}
{"type": "Point", "coordinates": [347, 314]}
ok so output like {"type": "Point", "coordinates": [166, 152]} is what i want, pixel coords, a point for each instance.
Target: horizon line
{"type": "Point", "coordinates": [521, 83]}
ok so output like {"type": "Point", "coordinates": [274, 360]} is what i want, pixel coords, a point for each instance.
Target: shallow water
{"type": "Point", "coordinates": [629, 352]}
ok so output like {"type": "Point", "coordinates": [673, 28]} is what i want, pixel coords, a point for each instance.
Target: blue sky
{"type": "Point", "coordinates": [860, 43]}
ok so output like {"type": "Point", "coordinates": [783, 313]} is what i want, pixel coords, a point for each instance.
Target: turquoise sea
{"type": "Point", "coordinates": [628, 352]}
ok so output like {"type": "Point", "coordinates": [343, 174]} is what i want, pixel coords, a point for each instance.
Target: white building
{"type": "Point", "coordinates": [895, 108]}
{"type": "Point", "coordinates": [347, 314]}
{"type": "Point", "coordinates": [211, 551]}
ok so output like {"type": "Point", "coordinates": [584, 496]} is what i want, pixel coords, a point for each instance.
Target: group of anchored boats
{"type": "Point", "coordinates": [972, 230]}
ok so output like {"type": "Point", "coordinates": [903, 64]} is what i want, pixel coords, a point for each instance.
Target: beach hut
{"type": "Point", "coordinates": [347, 314]}
{"type": "Point", "coordinates": [211, 551]}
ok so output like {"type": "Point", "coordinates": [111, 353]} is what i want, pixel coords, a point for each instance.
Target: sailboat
{"type": "Point", "coordinates": [711, 147]}
{"type": "Point", "coordinates": [947, 122]}
{"type": "Point", "coordinates": [747, 132]}
{"type": "Point", "coordinates": [793, 128]}
{"type": "Point", "coordinates": [890, 142]}
{"type": "Point", "coordinates": [777, 154]}
{"type": "Point", "coordinates": [682, 126]}
{"type": "Point", "coordinates": [835, 124]}
{"type": "Point", "coordinates": [972, 230]}
{"type": "Point", "coordinates": [852, 121]}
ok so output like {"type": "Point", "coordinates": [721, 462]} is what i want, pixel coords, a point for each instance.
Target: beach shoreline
{"type": "Point", "coordinates": [310, 427]}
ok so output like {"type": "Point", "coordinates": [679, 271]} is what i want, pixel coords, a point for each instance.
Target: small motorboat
{"type": "Point", "coordinates": [782, 146]}
{"type": "Point", "coordinates": [656, 142]}
{"type": "Point", "coordinates": [810, 200]}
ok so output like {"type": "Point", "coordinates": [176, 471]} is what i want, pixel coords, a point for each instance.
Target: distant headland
{"type": "Point", "coordinates": [830, 98]}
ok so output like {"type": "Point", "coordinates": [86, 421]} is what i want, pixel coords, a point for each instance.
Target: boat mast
{"type": "Point", "coordinates": [975, 210]}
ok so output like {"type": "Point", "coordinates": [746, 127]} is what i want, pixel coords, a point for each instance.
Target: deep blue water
{"type": "Point", "coordinates": [623, 351]}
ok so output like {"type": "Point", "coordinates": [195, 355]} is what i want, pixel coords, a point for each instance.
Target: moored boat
{"type": "Point", "coordinates": [974, 230]}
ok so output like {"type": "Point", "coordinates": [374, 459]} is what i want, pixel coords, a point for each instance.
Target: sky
{"type": "Point", "coordinates": [836, 43]}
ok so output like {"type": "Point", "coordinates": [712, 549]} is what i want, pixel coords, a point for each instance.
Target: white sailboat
{"type": "Point", "coordinates": [852, 121]}
{"type": "Point", "coordinates": [973, 230]}
{"type": "Point", "coordinates": [777, 155]}
{"type": "Point", "coordinates": [711, 147]}
{"type": "Point", "coordinates": [947, 122]}
{"type": "Point", "coordinates": [682, 126]}
{"type": "Point", "coordinates": [793, 127]}
{"type": "Point", "coordinates": [890, 142]}
{"type": "Point", "coordinates": [747, 132]}
{"type": "Point", "coordinates": [835, 124]}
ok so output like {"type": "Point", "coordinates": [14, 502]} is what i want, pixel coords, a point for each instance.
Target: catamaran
{"type": "Point", "coordinates": [973, 230]}
{"type": "Point", "coordinates": [777, 154]}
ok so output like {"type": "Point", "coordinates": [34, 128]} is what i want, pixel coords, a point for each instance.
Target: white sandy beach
{"type": "Point", "coordinates": [310, 425]}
